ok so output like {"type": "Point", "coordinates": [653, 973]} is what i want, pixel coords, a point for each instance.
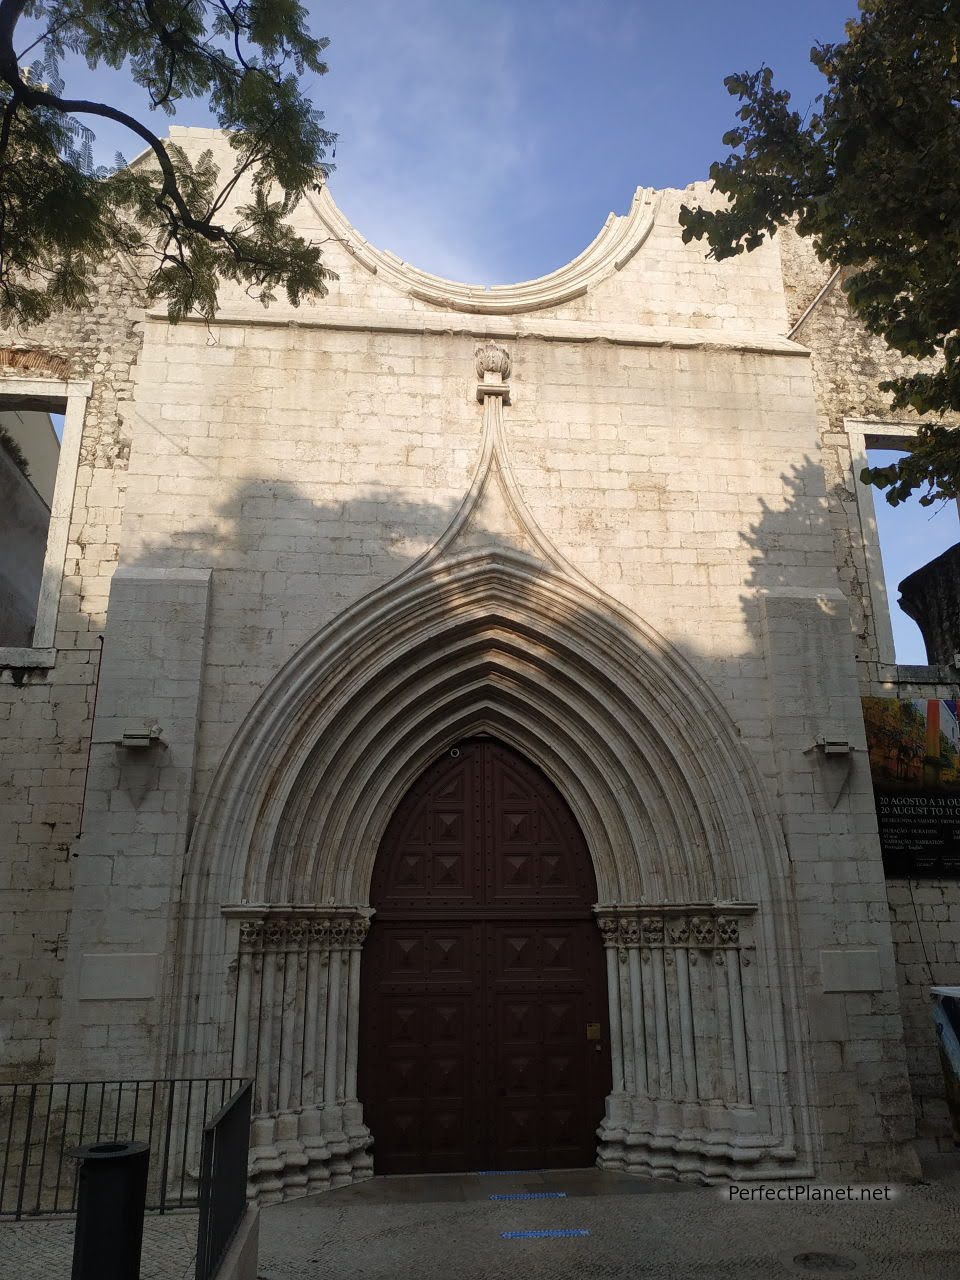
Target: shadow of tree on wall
{"type": "Point", "coordinates": [286, 563]}
{"type": "Point", "coordinates": [810, 543]}
{"type": "Point", "coordinates": [283, 566]}
{"type": "Point", "coordinates": [791, 544]}
{"type": "Point", "coordinates": [809, 648]}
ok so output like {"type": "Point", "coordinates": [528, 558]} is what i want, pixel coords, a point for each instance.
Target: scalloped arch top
{"type": "Point", "coordinates": [619, 239]}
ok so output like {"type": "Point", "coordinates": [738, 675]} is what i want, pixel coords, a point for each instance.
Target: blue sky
{"type": "Point", "coordinates": [910, 535]}
{"type": "Point", "coordinates": [488, 141]}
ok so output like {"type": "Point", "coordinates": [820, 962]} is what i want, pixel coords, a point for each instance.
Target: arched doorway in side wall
{"type": "Point", "coordinates": [484, 1027]}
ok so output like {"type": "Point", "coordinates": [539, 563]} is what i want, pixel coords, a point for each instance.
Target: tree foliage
{"type": "Point", "coordinates": [60, 215]}
{"type": "Point", "coordinates": [872, 175]}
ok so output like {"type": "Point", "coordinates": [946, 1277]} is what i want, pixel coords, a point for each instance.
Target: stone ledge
{"type": "Point", "coordinates": [26, 657]}
{"type": "Point", "coordinates": [456, 323]}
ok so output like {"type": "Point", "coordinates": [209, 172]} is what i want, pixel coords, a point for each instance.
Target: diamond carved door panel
{"type": "Point", "coordinates": [482, 970]}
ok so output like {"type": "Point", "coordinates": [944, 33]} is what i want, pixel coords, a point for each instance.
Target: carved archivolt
{"type": "Point", "coordinates": [496, 642]}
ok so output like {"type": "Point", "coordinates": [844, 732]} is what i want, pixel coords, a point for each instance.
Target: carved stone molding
{"type": "Point", "coordinates": [295, 928]}
{"type": "Point", "coordinates": [703, 927]}
{"type": "Point", "coordinates": [492, 358]}
{"type": "Point", "coordinates": [617, 242]}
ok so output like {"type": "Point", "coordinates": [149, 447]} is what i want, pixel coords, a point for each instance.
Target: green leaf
{"type": "Point", "coordinates": [873, 179]}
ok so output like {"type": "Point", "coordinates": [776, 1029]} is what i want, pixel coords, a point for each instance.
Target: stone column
{"type": "Point", "coordinates": [692, 1054]}
{"type": "Point", "coordinates": [296, 1028]}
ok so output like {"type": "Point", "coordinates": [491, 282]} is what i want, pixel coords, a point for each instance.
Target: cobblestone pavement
{"type": "Point", "coordinates": [434, 1228]}
{"type": "Point", "coordinates": [43, 1249]}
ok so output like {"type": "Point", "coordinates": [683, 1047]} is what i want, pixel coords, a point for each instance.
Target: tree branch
{"type": "Point", "coordinates": [51, 30]}
{"type": "Point", "coordinates": [10, 14]}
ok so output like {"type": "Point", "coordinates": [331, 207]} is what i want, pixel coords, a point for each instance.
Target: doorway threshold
{"type": "Point", "coordinates": [427, 1188]}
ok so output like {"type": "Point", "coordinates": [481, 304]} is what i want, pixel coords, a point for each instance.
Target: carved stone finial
{"type": "Point", "coordinates": [492, 358]}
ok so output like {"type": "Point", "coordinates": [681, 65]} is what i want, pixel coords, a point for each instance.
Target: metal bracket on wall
{"type": "Point", "coordinates": [830, 746]}
{"type": "Point", "coordinates": [832, 751]}
{"type": "Point", "coordinates": [136, 739]}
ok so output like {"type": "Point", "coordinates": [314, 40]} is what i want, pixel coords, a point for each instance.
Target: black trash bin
{"type": "Point", "coordinates": [111, 1196]}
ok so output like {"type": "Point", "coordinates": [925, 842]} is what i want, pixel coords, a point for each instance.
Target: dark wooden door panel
{"type": "Point", "coordinates": [422, 953]}
{"type": "Point", "coordinates": [481, 972]}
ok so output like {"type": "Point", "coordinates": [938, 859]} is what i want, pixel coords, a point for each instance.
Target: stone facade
{"type": "Point", "coordinates": [846, 364]}
{"type": "Point", "coordinates": [46, 710]}
{"type": "Point", "coordinates": [587, 515]}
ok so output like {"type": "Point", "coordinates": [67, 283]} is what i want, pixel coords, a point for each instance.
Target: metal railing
{"type": "Point", "coordinates": [41, 1123]}
{"type": "Point", "coordinates": [223, 1180]}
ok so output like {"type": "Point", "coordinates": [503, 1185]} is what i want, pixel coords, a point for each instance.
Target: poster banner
{"type": "Point", "coordinates": [914, 746]}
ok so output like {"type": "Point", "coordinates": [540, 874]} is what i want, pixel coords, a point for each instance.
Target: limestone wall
{"type": "Point", "coordinates": [307, 466]}
{"type": "Point", "coordinates": [926, 933]}
{"type": "Point", "coordinates": [847, 364]}
{"type": "Point", "coordinates": [45, 714]}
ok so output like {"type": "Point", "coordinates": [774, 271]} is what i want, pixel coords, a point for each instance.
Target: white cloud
{"type": "Point", "coordinates": [432, 136]}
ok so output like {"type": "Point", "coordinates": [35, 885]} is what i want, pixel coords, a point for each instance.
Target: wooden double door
{"type": "Point", "coordinates": [484, 1040]}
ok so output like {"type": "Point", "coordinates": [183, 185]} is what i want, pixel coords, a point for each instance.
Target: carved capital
{"type": "Point", "coordinates": [630, 931]}
{"type": "Point", "coordinates": [339, 931]}
{"type": "Point", "coordinates": [359, 929]}
{"type": "Point", "coordinates": [651, 929]}
{"type": "Point", "coordinates": [279, 929]}
{"type": "Point", "coordinates": [703, 930]}
{"type": "Point", "coordinates": [319, 933]}
{"type": "Point", "coordinates": [728, 930]}
{"type": "Point", "coordinates": [273, 934]}
{"type": "Point", "coordinates": [697, 927]}
{"type": "Point", "coordinates": [251, 934]}
{"type": "Point", "coordinates": [610, 928]}
{"type": "Point", "coordinates": [678, 930]}
{"type": "Point", "coordinates": [296, 935]}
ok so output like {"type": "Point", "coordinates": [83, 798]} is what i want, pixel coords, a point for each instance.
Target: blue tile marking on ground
{"type": "Point", "coordinates": [504, 1173]}
{"type": "Point", "coordinates": [543, 1235]}
{"type": "Point", "coordinates": [532, 1195]}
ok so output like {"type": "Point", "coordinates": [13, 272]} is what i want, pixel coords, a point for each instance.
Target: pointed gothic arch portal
{"type": "Point", "coordinates": [484, 1039]}
{"type": "Point", "coordinates": [694, 906]}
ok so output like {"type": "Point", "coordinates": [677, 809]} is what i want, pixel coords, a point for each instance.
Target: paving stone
{"type": "Point", "coordinates": [678, 1232]}
{"type": "Point", "coordinates": [43, 1249]}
